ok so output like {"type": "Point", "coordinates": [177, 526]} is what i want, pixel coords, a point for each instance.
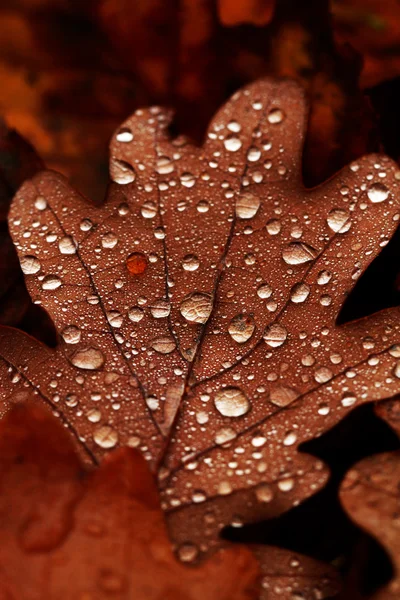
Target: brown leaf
{"type": "Point", "coordinates": [197, 308]}
{"type": "Point", "coordinates": [82, 535]}
{"type": "Point", "coordinates": [370, 494]}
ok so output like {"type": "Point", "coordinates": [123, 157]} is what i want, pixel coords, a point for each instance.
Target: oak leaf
{"type": "Point", "coordinates": [370, 495]}
{"type": "Point", "coordinates": [197, 308]}
{"type": "Point", "coordinates": [92, 535]}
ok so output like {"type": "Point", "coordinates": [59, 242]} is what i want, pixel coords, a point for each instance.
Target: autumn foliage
{"type": "Point", "coordinates": [199, 303]}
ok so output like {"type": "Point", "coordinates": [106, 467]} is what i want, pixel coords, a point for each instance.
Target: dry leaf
{"type": "Point", "coordinates": [197, 308]}
{"type": "Point", "coordinates": [81, 535]}
{"type": "Point", "coordinates": [370, 495]}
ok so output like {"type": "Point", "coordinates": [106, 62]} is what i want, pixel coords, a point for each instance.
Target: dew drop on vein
{"type": "Point", "coordinates": [196, 307]}
{"type": "Point", "coordinates": [51, 282]}
{"type": "Point", "coordinates": [339, 220]}
{"type": "Point", "coordinates": [247, 206]}
{"type": "Point", "coordinates": [298, 253]}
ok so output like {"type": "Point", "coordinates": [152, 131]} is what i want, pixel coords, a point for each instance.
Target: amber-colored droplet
{"type": "Point", "coordinates": [136, 263]}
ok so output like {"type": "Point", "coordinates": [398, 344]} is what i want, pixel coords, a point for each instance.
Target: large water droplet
{"type": "Point", "coordinates": [282, 395]}
{"type": "Point", "coordinates": [190, 262]}
{"type": "Point", "coordinates": [71, 334]}
{"type": "Point", "coordinates": [109, 240]}
{"type": "Point", "coordinates": [247, 205]}
{"type": "Point", "coordinates": [115, 318]}
{"type": "Point", "coordinates": [231, 402]}
{"type": "Point", "coordinates": [135, 314]}
{"type": "Point", "coordinates": [275, 335]}
{"type": "Point", "coordinates": [160, 309]}
{"type": "Point", "coordinates": [88, 358]}
{"type": "Point", "coordinates": [378, 193]}
{"type": "Point", "coordinates": [196, 307]}
{"type": "Point", "coordinates": [105, 436]}
{"type": "Point", "coordinates": [299, 293]}
{"type": "Point", "coordinates": [241, 328]}
{"type": "Point", "coordinates": [275, 116]}
{"type": "Point", "coordinates": [232, 143]}
{"type": "Point", "coordinates": [163, 344]}
{"type": "Point", "coordinates": [40, 203]}
{"type": "Point", "coordinates": [123, 172]}
{"type": "Point", "coordinates": [67, 245]}
{"type": "Point", "coordinates": [136, 263]}
{"type": "Point", "coordinates": [164, 165]}
{"type": "Point", "coordinates": [51, 282]}
{"type": "Point", "coordinates": [264, 291]}
{"type": "Point", "coordinates": [30, 265]}
{"type": "Point", "coordinates": [124, 135]}
{"type": "Point", "coordinates": [298, 253]}
{"type": "Point", "coordinates": [339, 220]}
{"type": "Point", "coordinates": [264, 493]}
{"type": "Point", "coordinates": [148, 210]}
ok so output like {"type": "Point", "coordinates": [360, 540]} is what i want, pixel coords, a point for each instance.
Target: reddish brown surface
{"type": "Point", "coordinates": [82, 535]}
{"type": "Point", "coordinates": [224, 356]}
{"type": "Point", "coordinates": [370, 494]}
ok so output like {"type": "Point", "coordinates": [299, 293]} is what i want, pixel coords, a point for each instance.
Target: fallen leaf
{"type": "Point", "coordinates": [89, 535]}
{"type": "Point", "coordinates": [370, 495]}
{"type": "Point", "coordinates": [197, 308]}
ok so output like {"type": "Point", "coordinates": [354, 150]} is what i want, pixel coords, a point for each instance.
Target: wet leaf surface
{"type": "Point", "coordinates": [370, 495]}
{"type": "Point", "coordinates": [94, 535]}
{"type": "Point", "coordinates": [197, 308]}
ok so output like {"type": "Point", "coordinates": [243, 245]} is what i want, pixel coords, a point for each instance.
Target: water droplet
{"type": "Point", "coordinates": [273, 227]}
{"type": "Point", "coordinates": [188, 552]}
{"type": "Point", "coordinates": [241, 328]}
{"type": "Point", "coordinates": [40, 203]}
{"type": "Point", "coordinates": [203, 206]}
{"type": "Point", "coordinates": [30, 265]}
{"type": "Point", "coordinates": [232, 143]}
{"type": "Point", "coordinates": [225, 435]}
{"type": "Point", "coordinates": [264, 291]}
{"type": "Point", "coordinates": [163, 344]}
{"type": "Point", "coordinates": [339, 220]}
{"type": "Point", "coordinates": [196, 307]}
{"type": "Point", "coordinates": [164, 165]}
{"type": "Point", "coordinates": [88, 358]}
{"type": "Point", "coordinates": [124, 135]}
{"type": "Point", "coordinates": [105, 436]}
{"type": "Point", "coordinates": [51, 282]}
{"type": "Point", "coordinates": [136, 263]}
{"type": "Point", "coordinates": [234, 126]}
{"type": "Point", "coordinates": [187, 180]}
{"type": "Point", "coordinates": [71, 334]}
{"type": "Point", "coordinates": [282, 396]}
{"type": "Point", "coordinates": [190, 262]}
{"type": "Point", "coordinates": [286, 485]}
{"type": "Point", "coordinates": [290, 438]}
{"type": "Point", "coordinates": [348, 399]}
{"type": "Point", "coordinates": [298, 253]}
{"type": "Point", "coordinates": [231, 402]}
{"type": "Point", "coordinates": [148, 210]}
{"type": "Point", "coordinates": [396, 370]}
{"type": "Point", "coordinates": [85, 225]}
{"type": "Point", "coordinates": [264, 493]}
{"type": "Point", "coordinates": [275, 116]}
{"type": "Point", "coordinates": [247, 205]}
{"type": "Point", "coordinates": [299, 293]}
{"type": "Point", "coordinates": [160, 309]}
{"type": "Point", "coordinates": [323, 374]}
{"type": "Point", "coordinates": [378, 193]}
{"type": "Point", "coordinates": [275, 335]}
{"type": "Point", "coordinates": [135, 314]}
{"type": "Point", "coordinates": [122, 172]}
{"type": "Point", "coordinates": [67, 245]}
{"type": "Point", "coordinates": [115, 318]}
{"type": "Point", "coordinates": [93, 415]}
{"type": "Point", "coordinates": [253, 154]}
{"type": "Point", "coordinates": [324, 277]}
